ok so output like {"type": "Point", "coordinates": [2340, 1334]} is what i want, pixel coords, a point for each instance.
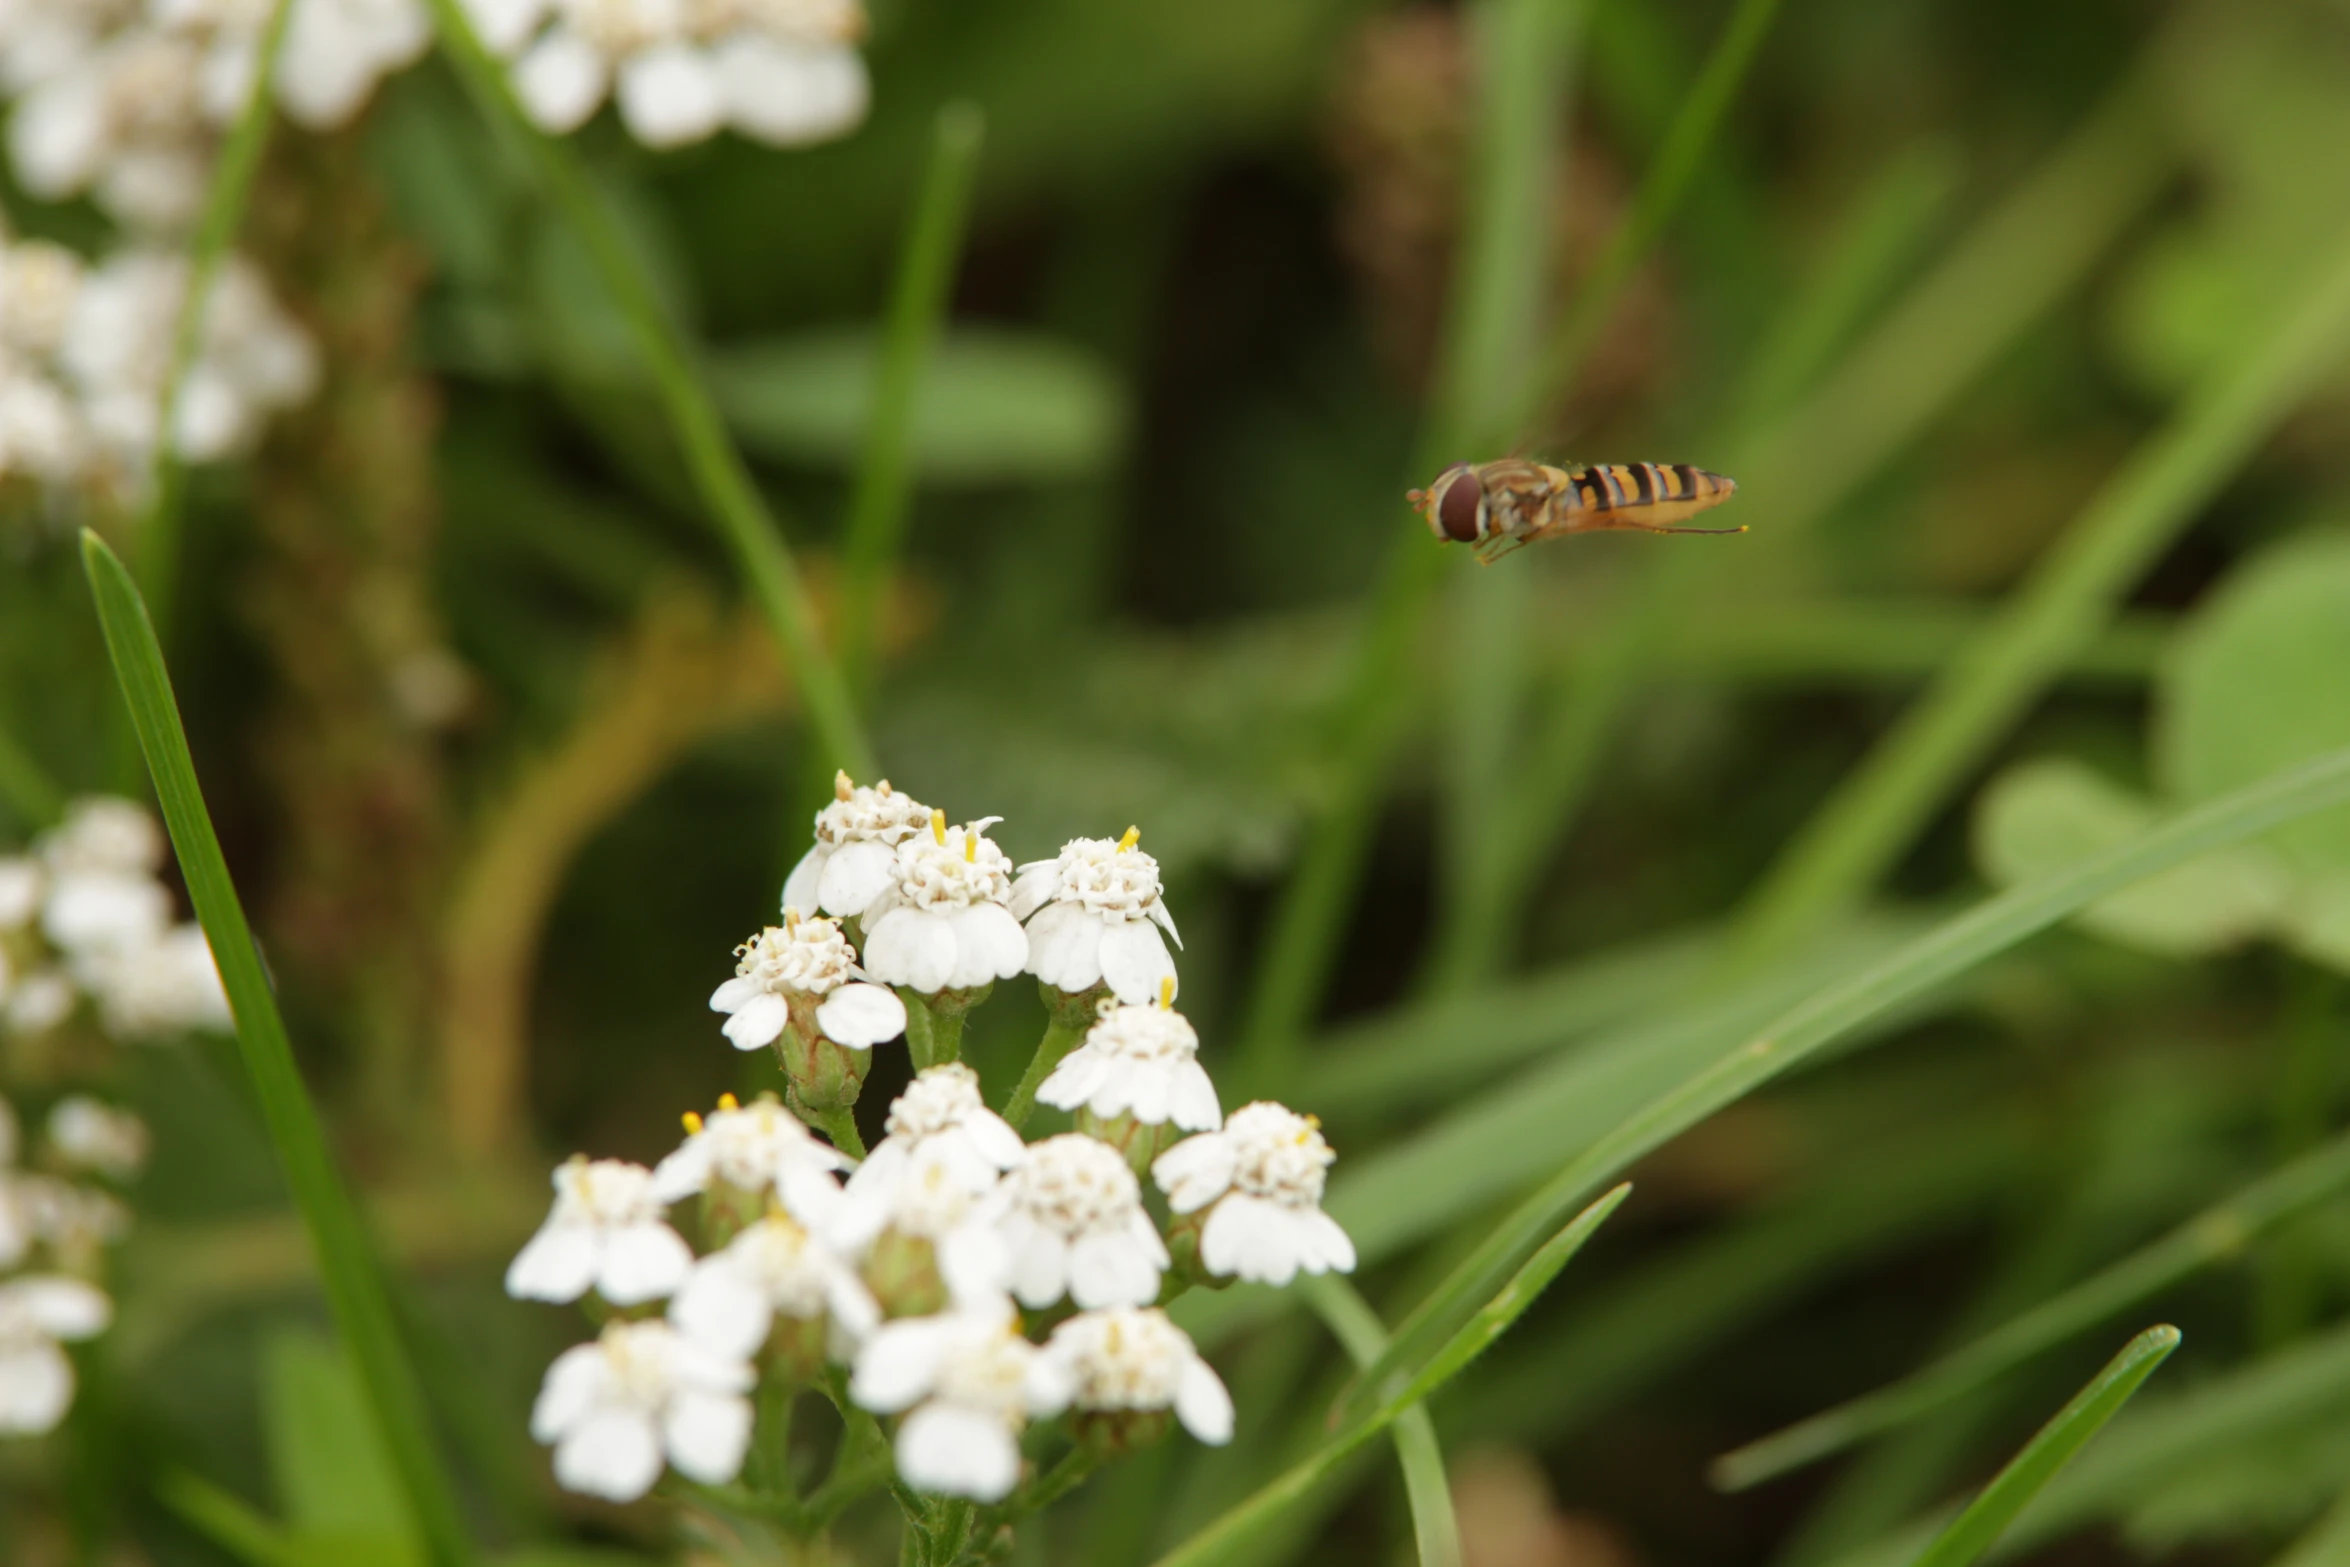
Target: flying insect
{"type": "Point", "coordinates": [1497, 507]}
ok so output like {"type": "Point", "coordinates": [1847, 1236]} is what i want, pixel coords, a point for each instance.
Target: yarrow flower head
{"type": "Point", "coordinates": [776, 1282]}
{"type": "Point", "coordinates": [643, 1393]}
{"type": "Point", "coordinates": [1094, 915]}
{"type": "Point", "coordinates": [1125, 1362]}
{"type": "Point", "coordinates": [805, 966]}
{"type": "Point", "coordinates": [1141, 1061]}
{"type": "Point", "coordinates": [756, 1150]}
{"type": "Point", "coordinates": [940, 1117]}
{"type": "Point", "coordinates": [1075, 1226]}
{"type": "Point", "coordinates": [89, 1134]}
{"type": "Point", "coordinates": [968, 1383]}
{"type": "Point", "coordinates": [855, 856]}
{"type": "Point", "coordinates": [942, 923]}
{"type": "Point", "coordinates": [37, 1313]}
{"type": "Point", "coordinates": [608, 1233]}
{"type": "Point", "coordinates": [1259, 1181]}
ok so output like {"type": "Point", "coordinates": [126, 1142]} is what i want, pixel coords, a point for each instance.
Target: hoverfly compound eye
{"type": "Point", "coordinates": [1460, 503]}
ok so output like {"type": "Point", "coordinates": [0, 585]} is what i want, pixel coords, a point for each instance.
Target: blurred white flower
{"type": "Point", "coordinates": [337, 50]}
{"type": "Point", "coordinates": [968, 1383]}
{"type": "Point", "coordinates": [759, 1148]}
{"type": "Point", "coordinates": [39, 1001]}
{"type": "Point", "coordinates": [37, 1313]}
{"type": "Point", "coordinates": [773, 1268]}
{"type": "Point", "coordinates": [104, 832]}
{"type": "Point", "coordinates": [1094, 915]}
{"type": "Point", "coordinates": [1264, 1174]}
{"type": "Point", "coordinates": [615, 1409]}
{"type": "Point", "coordinates": [942, 922]}
{"type": "Point", "coordinates": [855, 855]}
{"type": "Point", "coordinates": [608, 1233]}
{"type": "Point", "coordinates": [72, 1223]}
{"type": "Point", "coordinates": [92, 1135]}
{"type": "Point", "coordinates": [98, 912]}
{"type": "Point", "coordinates": [1137, 1361]}
{"type": "Point", "coordinates": [168, 986]}
{"type": "Point", "coordinates": [1141, 1061]}
{"type": "Point", "coordinates": [807, 960]}
{"type": "Point", "coordinates": [939, 1117]}
{"type": "Point", "coordinates": [21, 885]}
{"type": "Point", "coordinates": [1074, 1224]}
{"type": "Point", "coordinates": [130, 119]}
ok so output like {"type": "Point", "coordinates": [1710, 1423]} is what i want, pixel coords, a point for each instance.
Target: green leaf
{"type": "Point", "coordinates": [2042, 816]}
{"type": "Point", "coordinates": [1988, 1516]}
{"type": "Point", "coordinates": [2217, 1234]}
{"type": "Point", "coordinates": [333, 1475]}
{"type": "Point", "coordinates": [353, 1276]}
{"type": "Point", "coordinates": [992, 407]}
{"type": "Point", "coordinates": [1357, 1327]}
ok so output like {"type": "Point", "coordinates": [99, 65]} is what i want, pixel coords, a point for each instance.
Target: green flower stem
{"type": "Point", "coordinates": [921, 1029]}
{"type": "Point", "coordinates": [1060, 1037]}
{"type": "Point", "coordinates": [353, 1275]}
{"type": "Point", "coordinates": [157, 546]}
{"type": "Point", "coordinates": [718, 470]}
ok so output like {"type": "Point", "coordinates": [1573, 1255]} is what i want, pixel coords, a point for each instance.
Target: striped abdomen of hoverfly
{"type": "Point", "coordinates": [1498, 506]}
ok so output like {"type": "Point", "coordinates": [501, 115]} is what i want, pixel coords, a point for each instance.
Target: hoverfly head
{"type": "Point", "coordinates": [1454, 505]}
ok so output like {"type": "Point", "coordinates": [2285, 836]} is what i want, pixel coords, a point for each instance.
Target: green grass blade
{"type": "Point", "coordinates": [918, 306]}
{"type": "Point", "coordinates": [347, 1262]}
{"type": "Point", "coordinates": [227, 1520]}
{"type": "Point", "coordinates": [2325, 1543]}
{"type": "Point", "coordinates": [26, 786]}
{"type": "Point", "coordinates": [1435, 1531]}
{"type": "Point", "coordinates": [1215, 1543]}
{"type": "Point", "coordinates": [720, 476]}
{"type": "Point", "coordinates": [1949, 950]}
{"type": "Point", "coordinates": [1987, 1517]}
{"type": "Point", "coordinates": [1871, 819]}
{"type": "Point", "coordinates": [158, 537]}
{"type": "Point", "coordinates": [2216, 1234]}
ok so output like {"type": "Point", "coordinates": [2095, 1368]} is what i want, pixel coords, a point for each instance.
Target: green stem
{"type": "Point", "coordinates": [719, 473]}
{"type": "Point", "coordinates": [1060, 1037]}
{"type": "Point", "coordinates": [946, 1035]}
{"type": "Point", "coordinates": [921, 1029]}
{"type": "Point", "coordinates": [158, 537]}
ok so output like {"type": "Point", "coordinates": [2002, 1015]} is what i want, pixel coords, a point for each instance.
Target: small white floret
{"type": "Point", "coordinates": [615, 1409]}
{"type": "Point", "coordinates": [1261, 1178]}
{"type": "Point", "coordinates": [1137, 1360]}
{"type": "Point", "coordinates": [967, 1383]}
{"type": "Point", "coordinates": [607, 1233]}
{"type": "Point", "coordinates": [37, 1313]}
{"type": "Point", "coordinates": [1141, 1061]}
{"type": "Point", "coordinates": [1075, 1226]}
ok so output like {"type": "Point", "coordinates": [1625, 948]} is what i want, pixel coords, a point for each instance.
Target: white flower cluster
{"type": "Point", "coordinates": [968, 1282]}
{"type": "Point", "coordinates": [54, 1227]}
{"type": "Point", "coordinates": [85, 352]}
{"type": "Point", "coordinates": [784, 72]}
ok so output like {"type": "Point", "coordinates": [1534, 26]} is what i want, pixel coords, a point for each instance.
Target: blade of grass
{"type": "Point", "coordinates": [1215, 1542]}
{"type": "Point", "coordinates": [158, 535]}
{"type": "Point", "coordinates": [227, 1520]}
{"type": "Point", "coordinates": [1987, 1517]}
{"type": "Point", "coordinates": [1436, 1532]}
{"type": "Point", "coordinates": [1950, 949]}
{"type": "Point", "coordinates": [2325, 1543]}
{"type": "Point", "coordinates": [347, 1261]}
{"type": "Point", "coordinates": [2218, 1233]}
{"type": "Point", "coordinates": [1876, 814]}
{"type": "Point", "coordinates": [1520, 41]}
{"type": "Point", "coordinates": [720, 476]}
{"type": "Point", "coordinates": [27, 787]}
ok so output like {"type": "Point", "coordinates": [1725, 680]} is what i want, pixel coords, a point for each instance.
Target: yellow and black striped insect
{"type": "Point", "coordinates": [1500, 506]}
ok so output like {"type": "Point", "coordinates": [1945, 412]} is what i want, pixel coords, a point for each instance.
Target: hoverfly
{"type": "Point", "coordinates": [1501, 506]}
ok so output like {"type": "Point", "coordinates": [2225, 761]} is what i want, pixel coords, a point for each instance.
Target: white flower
{"type": "Point", "coordinates": [855, 856]}
{"type": "Point", "coordinates": [337, 50]}
{"type": "Point", "coordinates": [760, 1147]}
{"type": "Point", "coordinates": [72, 1221]}
{"type": "Point", "coordinates": [1137, 1360]}
{"type": "Point", "coordinates": [105, 911]}
{"type": "Point", "coordinates": [36, 1314]}
{"type": "Point", "coordinates": [968, 1382]}
{"type": "Point", "coordinates": [773, 1268]}
{"type": "Point", "coordinates": [939, 1117]}
{"type": "Point", "coordinates": [929, 1202]}
{"type": "Point", "coordinates": [1075, 1225]}
{"type": "Point", "coordinates": [808, 958]}
{"type": "Point", "coordinates": [607, 1233]}
{"type": "Point", "coordinates": [39, 1001]}
{"type": "Point", "coordinates": [615, 1408]}
{"type": "Point", "coordinates": [20, 891]}
{"type": "Point", "coordinates": [1264, 1172]}
{"type": "Point", "coordinates": [164, 987]}
{"type": "Point", "coordinates": [942, 923]}
{"type": "Point", "coordinates": [91, 1135]}
{"type": "Point", "coordinates": [1142, 1061]}
{"type": "Point", "coordinates": [1094, 916]}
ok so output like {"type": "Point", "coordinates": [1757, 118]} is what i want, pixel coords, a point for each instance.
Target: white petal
{"type": "Point", "coordinates": [36, 1386]}
{"type": "Point", "coordinates": [799, 888]}
{"type": "Point", "coordinates": [1040, 1262]}
{"type": "Point", "coordinates": [614, 1455]}
{"type": "Point", "coordinates": [1195, 1172]}
{"type": "Point", "coordinates": [558, 1263]}
{"type": "Point", "coordinates": [1203, 1404]}
{"type": "Point", "coordinates": [1048, 1385]}
{"type": "Point", "coordinates": [57, 137]}
{"type": "Point", "coordinates": [1038, 881]}
{"type": "Point", "coordinates": [1076, 1080]}
{"type": "Point", "coordinates": [60, 1307]}
{"type": "Point", "coordinates": [669, 95]}
{"type": "Point", "coordinates": [788, 94]}
{"type": "Point", "coordinates": [1166, 922]}
{"type": "Point", "coordinates": [1135, 961]}
{"type": "Point", "coordinates": [721, 1310]}
{"type": "Point", "coordinates": [852, 1305]}
{"type": "Point", "coordinates": [976, 1266]}
{"type": "Point", "coordinates": [861, 1016]}
{"type": "Point", "coordinates": [989, 945]}
{"type": "Point", "coordinates": [1111, 1270]}
{"type": "Point", "coordinates": [899, 1363]}
{"type": "Point", "coordinates": [504, 25]}
{"type": "Point", "coordinates": [854, 876]}
{"type": "Point", "coordinates": [683, 1172]}
{"type": "Point", "coordinates": [993, 1136]}
{"type": "Point", "coordinates": [735, 994]}
{"type": "Point", "coordinates": [1329, 1247]}
{"type": "Point", "coordinates": [699, 1368]}
{"type": "Point", "coordinates": [1249, 1238]}
{"type": "Point", "coordinates": [706, 1435]}
{"type": "Point", "coordinates": [1064, 947]}
{"type": "Point", "coordinates": [954, 1451]}
{"type": "Point", "coordinates": [580, 1378]}
{"type": "Point", "coordinates": [1195, 1104]}
{"type": "Point", "coordinates": [1148, 1090]}
{"type": "Point", "coordinates": [913, 948]}
{"type": "Point", "coordinates": [642, 1262]}
{"type": "Point", "coordinates": [324, 73]}
{"type": "Point", "coordinates": [560, 82]}
{"type": "Point", "coordinates": [759, 1022]}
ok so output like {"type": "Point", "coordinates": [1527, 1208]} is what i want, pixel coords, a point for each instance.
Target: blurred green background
{"type": "Point", "coordinates": [2019, 326]}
